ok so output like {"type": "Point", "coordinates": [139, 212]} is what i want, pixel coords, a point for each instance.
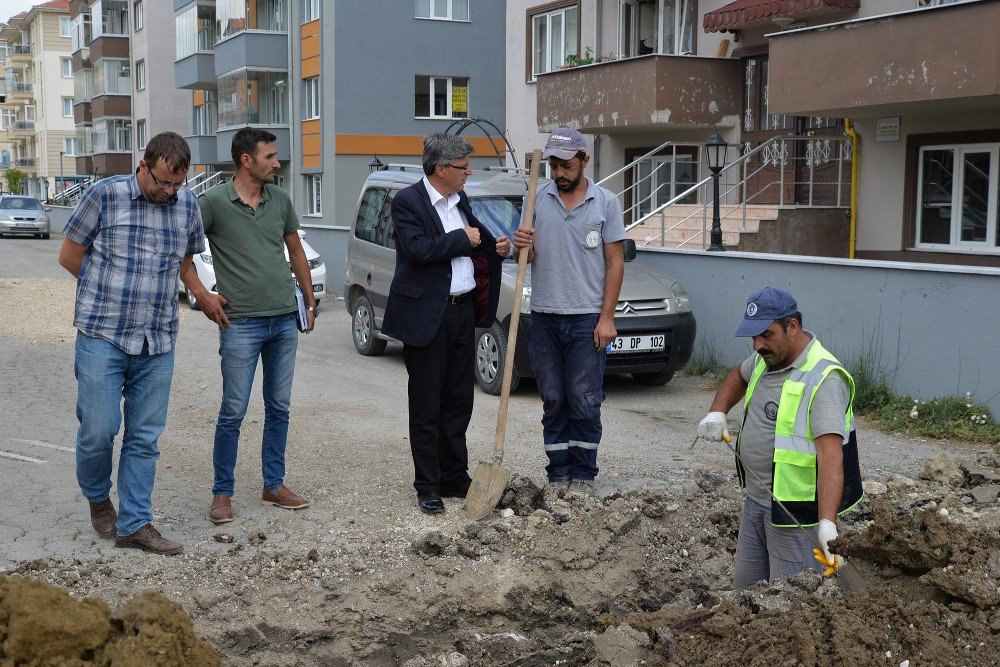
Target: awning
{"type": "Point", "coordinates": [742, 13]}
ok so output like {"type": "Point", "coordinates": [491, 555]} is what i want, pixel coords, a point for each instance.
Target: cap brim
{"type": "Point", "coordinates": [560, 153]}
{"type": "Point", "coordinates": [749, 328]}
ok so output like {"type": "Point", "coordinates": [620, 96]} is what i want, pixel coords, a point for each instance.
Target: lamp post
{"type": "Point", "coordinates": [62, 180]}
{"type": "Point", "coordinates": [375, 164]}
{"type": "Point", "coordinates": [715, 151]}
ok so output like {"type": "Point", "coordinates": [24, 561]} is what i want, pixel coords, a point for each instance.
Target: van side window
{"type": "Point", "coordinates": [385, 231]}
{"type": "Point", "coordinates": [371, 204]}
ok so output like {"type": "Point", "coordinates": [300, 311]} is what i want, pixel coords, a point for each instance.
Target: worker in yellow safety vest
{"type": "Point", "coordinates": [798, 436]}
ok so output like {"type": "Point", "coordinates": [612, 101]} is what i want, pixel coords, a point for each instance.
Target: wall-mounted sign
{"type": "Point", "coordinates": [887, 129]}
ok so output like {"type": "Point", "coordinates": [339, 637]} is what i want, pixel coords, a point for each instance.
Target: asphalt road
{"type": "Point", "coordinates": [348, 448]}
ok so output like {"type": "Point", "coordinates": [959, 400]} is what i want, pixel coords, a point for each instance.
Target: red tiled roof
{"type": "Point", "coordinates": [743, 12]}
{"type": "Point", "coordinates": [54, 4]}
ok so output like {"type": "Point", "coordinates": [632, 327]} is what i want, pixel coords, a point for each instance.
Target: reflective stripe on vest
{"type": "Point", "coordinates": [794, 474]}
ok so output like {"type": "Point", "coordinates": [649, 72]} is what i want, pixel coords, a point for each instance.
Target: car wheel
{"type": "Point", "coordinates": [193, 302]}
{"type": "Point", "coordinates": [491, 350]}
{"type": "Point", "coordinates": [653, 379]}
{"type": "Point", "coordinates": [366, 341]}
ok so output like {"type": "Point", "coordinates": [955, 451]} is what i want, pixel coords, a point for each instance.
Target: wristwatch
{"type": "Point", "coordinates": [312, 309]}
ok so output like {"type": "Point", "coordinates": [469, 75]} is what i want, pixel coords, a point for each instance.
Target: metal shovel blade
{"type": "Point", "coordinates": [486, 490]}
{"type": "Point", "coordinates": [850, 578]}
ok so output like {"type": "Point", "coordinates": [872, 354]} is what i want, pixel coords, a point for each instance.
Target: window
{"type": "Point", "coordinates": [958, 198]}
{"type": "Point", "coordinates": [310, 10]}
{"type": "Point", "coordinates": [65, 27]}
{"type": "Point", "coordinates": [311, 109]}
{"type": "Point", "coordinates": [443, 10]}
{"type": "Point", "coordinates": [66, 66]}
{"type": "Point", "coordinates": [140, 75]}
{"type": "Point", "coordinates": [250, 97]}
{"type": "Point", "coordinates": [233, 16]}
{"type": "Point", "coordinates": [137, 16]}
{"type": "Point", "coordinates": [195, 29]}
{"type": "Point", "coordinates": [81, 31]}
{"type": "Point", "coordinates": [368, 213]}
{"type": "Point", "coordinates": [109, 17]}
{"type": "Point", "coordinates": [67, 103]}
{"type": "Point", "coordinates": [140, 134]}
{"type": "Point", "coordinates": [314, 194]}
{"type": "Point", "coordinates": [83, 85]}
{"type": "Point", "coordinates": [112, 76]}
{"type": "Point", "coordinates": [69, 146]}
{"type": "Point", "coordinates": [441, 97]}
{"type": "Point", "coordinates": [660, 26]}
{"type": "Point", "coordinates": [7, 117]}
{"type": "Point", "coordinates": [113, 135]}
{"type": "Point", "coordinates": [206, 116]}
{"type": "Point", "coordinates": [553, 37]}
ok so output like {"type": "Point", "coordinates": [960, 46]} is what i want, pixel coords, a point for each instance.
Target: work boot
{"type": "Point", "coordinates": [103, 517]}
{"type": "Point", "coordinates": [222, 509]}
{"type": "Point", "coordinates": [555, 490]}
{"type": "Point", "coordinates": [581, 487]}
{"type": "Point", "coordinates": [283, 497]}
{"type": "Point", "coordinates": [149, 539]}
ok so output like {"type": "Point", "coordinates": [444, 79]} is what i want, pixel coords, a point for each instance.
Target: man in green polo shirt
{"type": "Point", "coordinates": [249, 222]}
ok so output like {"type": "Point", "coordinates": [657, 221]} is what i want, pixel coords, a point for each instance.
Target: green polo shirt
{"type": "Point", "coordinates": [248, 249]}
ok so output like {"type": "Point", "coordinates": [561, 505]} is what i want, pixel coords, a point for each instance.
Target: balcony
{"type": "Point", "coordinates": [648, 92]}
{"type": "Point", "coordinates": [28, 165]}
{"type": "Point", "coordinates": [19, 53]}
{"type": "Point", "coordinates": [21, 128]}
{"type": "Point", "coordinates": [252, 49]}
{"type": "Point", "coordinates": [888, 66]}
{"type": "Point", "coordinates": [196, 71]}
{"type": "Point", "coordinates": [203, 149]}
{"type": "Point", "coordinates": [19, 92]}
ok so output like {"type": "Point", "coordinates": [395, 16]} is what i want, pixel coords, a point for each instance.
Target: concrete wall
{"type": "Point", "coordinates": [932, 327]}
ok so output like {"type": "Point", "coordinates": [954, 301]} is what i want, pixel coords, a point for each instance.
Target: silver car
{"type": "Point", "coordinates": [656, 328]}
{"type": "Point", "coordinates": [23, 216]}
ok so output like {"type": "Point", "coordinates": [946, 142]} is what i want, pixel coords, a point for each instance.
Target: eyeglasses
{"type": "Point", "coordinates": [461, 167]}
{"type": "Point", "coordinates": [166, 184]}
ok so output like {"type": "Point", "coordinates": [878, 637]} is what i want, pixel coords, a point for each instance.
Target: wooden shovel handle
{"type": "Point", "coordinates": [515, 316]}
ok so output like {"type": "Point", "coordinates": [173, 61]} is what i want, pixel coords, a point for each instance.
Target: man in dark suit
{"type": "Point", "coordinates": [447, 282]}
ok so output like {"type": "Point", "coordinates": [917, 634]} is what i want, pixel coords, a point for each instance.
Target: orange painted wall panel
{"type": "Point", "coordinates": [311, 161]}
{"type": "Point", "coordinates": [310, 67]}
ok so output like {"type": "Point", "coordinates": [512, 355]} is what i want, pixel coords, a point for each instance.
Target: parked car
{"type": "Point", "coordinates": [23, 216]}
{"type": "Point", "coordinates": [656, 327]}
{"type": "Point", "coordinates": [202, 263]}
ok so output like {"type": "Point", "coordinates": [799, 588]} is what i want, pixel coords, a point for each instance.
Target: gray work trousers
{"type": "Point", "coordinates": [766, 553]}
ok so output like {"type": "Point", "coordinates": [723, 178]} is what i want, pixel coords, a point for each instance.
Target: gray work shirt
{"type": "Point", "coordinates": [567, 274]}
{"type": "Point", "coordinates": [827, 415]}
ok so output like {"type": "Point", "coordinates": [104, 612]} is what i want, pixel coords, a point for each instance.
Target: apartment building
{"type": "Point", "coordinates": [342, 83]}
{"type": "Point", "coordinates": [650, 80]}
{"type": "Point", "coordinates": [36, 111]}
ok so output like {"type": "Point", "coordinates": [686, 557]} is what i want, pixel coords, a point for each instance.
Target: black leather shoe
{"type": "Point", "coordinates": [430, 502]}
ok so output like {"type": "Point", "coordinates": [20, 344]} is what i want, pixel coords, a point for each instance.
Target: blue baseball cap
{"type": "Point", "coordinates": [763, 307]}
{"type": "Point", "coordinates": [564, 144]}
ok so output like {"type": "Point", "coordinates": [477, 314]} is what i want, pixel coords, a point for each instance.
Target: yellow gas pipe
{"type": "Point", "coordinates": [849, 130]}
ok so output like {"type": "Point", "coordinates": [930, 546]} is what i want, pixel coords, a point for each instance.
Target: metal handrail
{"type": "Point", "coordinates": [634, 162]}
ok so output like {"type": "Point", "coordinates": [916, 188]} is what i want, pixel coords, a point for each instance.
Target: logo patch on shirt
{"type": "Point", "coordinates": [593, 238]}
{"type": "Point", "coordinates": [771, 410]}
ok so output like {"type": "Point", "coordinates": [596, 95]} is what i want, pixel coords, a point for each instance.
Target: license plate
{"type": "Point", "coordinates": [646, 343]}
{"type": "Point", "coordinates": [22, 225]}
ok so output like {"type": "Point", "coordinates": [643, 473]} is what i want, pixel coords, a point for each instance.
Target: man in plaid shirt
{"type": "Point", "coordinates": [126, 243]}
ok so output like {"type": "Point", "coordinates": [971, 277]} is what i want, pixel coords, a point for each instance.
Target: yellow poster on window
{"type": "Point", "coordinates": [460, 99]}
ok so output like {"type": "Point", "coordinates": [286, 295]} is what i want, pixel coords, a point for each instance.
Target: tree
{"type": "Point", "coordinates": [14, 179]}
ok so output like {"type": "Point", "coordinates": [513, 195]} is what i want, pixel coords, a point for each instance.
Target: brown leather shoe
{"type": "Point", "coordinates": [149, 539]}
{"type": "Point", "coordinates": [103, 517]}
{"type": "Point", "coordinates": [284, 498]}
{"type": "Point", "coordinates": [222, 510]}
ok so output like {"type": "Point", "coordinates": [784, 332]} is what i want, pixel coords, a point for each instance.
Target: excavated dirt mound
{"type": "Point", "coordinates": [642, 578]}
{"type": "Point", "coordinates": [42, 626]}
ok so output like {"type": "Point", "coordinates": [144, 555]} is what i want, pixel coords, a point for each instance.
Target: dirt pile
{"type": "Point", "coordinates": [41, 625]}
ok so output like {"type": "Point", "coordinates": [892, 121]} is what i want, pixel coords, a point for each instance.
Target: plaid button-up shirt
{"type": "Point", "coordinates": [126, 292]}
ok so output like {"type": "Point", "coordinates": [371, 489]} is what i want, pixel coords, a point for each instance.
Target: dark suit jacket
{"type": "Point", "coordinates": [423, 267]}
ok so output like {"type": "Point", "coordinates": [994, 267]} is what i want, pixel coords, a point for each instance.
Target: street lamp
{"type": "Point", "coordinates": [715, 151]}
{"type": "Point", "coordinates": [62, 179]}
{"type": "Point", "coordinates": [375, 164]}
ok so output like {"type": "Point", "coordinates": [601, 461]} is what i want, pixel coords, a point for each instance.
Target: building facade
{"type": "Point", "coordinates": [38, 95]}
{"type": "Point", "coordinates": [339, 82]}
{"type": "Point", "coordinates": [650, 80]}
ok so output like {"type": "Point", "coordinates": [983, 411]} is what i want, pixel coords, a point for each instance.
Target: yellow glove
{"type": "Point", "coordinates": [832, 563]}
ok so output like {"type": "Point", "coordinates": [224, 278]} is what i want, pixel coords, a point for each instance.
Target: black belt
{"type": "Point", "coordinates": [458, 298]}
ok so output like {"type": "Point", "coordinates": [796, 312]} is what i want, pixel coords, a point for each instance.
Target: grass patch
{"type": "Point", "coordinates": [706, 361]}
{"type": "Point", "coordinates": [947, 418]}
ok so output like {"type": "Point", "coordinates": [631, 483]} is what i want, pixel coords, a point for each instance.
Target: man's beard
{"type": "Point", "coordinates": [264, 174]}
{"type": "Point", "coordinates": [570, 186]}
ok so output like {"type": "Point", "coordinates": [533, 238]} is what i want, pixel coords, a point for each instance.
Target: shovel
{"type": "Point", "coordinates": [848, 576]}
{"type": "Point", "coordinates": [490, 479]}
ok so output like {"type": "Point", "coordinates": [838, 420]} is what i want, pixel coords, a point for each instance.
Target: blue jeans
{"type": "Point", "coordinates": [569, 370]}
{"type": "Point", "coordinates": [105, 374]}
{"type": "Point", "coordinates": [273, 340]}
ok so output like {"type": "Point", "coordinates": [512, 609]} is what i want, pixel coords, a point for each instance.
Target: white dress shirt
{"type": "Point", "coordinates": [462, 276]}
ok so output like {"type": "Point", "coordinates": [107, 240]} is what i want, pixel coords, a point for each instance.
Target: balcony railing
{"type": "Point", "coordinates": [23, 125]}
{"type": "Point", "coordinates": [20, 49]}
{"type": "Point", "coordinates": [24, 162]}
